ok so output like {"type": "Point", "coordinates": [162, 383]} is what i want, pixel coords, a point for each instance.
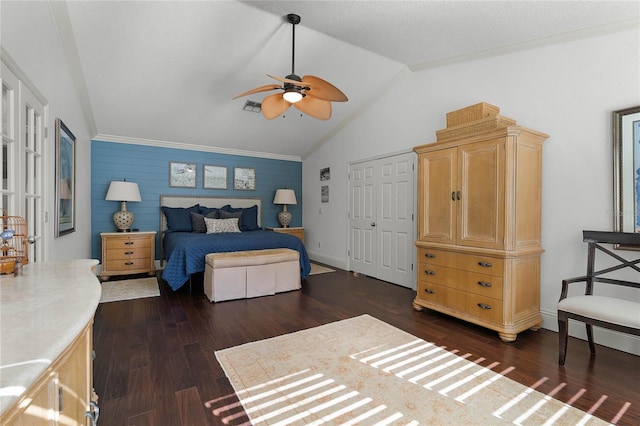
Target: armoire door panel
{"type": "Point", "coordinates": [481, 204]}
{"type": "Point", "coordinates": [437, 206]}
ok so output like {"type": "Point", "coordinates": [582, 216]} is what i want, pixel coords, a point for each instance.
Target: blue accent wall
{"type": "Point", "coordinates": [148, 166]}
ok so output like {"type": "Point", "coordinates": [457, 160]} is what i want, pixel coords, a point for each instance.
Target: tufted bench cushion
{"type": "Point", "coordinates": [252, 273]}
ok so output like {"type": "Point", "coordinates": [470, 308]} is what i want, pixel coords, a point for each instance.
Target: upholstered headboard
{"type": "Point", "coordinates": [217, 202]}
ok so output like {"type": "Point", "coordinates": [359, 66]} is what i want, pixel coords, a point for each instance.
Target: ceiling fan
{"type": "Point", "coordinates": [309, 94]}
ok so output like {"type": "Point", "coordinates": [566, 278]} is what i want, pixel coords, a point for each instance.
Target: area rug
{"type": "Point", "coordinates": [319, 269]}
{"type": "Point", "coordinates": [138, 288]}
{"type": "Point", "coordinates": [364, 371]}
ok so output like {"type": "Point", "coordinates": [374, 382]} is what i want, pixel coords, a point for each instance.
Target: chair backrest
{"type": "Point", "coordinates": [595, 239]}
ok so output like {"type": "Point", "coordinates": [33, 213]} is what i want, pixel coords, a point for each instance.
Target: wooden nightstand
{"type": "Point", "coordinates": [298, 232]}
{"type": "Point", "coordinates": [125, 253]}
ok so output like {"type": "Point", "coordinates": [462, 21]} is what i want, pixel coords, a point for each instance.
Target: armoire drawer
{"type": "Point", "coordinates": [441, 295]}
{"type": "Point", "coordinates": [468, 262]}
{"type": "Point", "coordinates": [485, 308]}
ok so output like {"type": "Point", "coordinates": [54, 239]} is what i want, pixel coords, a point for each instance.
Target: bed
{"type": "Point", "coordinates": [183, 251]}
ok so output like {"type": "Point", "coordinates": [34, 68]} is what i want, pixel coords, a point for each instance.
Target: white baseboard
{"type": "Point", "coordinates": [602, 336]}
{"type": "Point", "coordinates": [327, 260]}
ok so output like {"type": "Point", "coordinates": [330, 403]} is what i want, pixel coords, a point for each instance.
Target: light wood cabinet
{"type": "Point", "coordinates": [62, 394]}
{"type": "Point", "coordinates": [297, 232]}
{"type": "Point", "coordinates": [479, 195]}
{"type": "Point", "coordinates": [127, 253]}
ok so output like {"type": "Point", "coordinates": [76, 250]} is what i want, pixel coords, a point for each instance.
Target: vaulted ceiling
{"type": "Point", "coordinates": [167, 70]}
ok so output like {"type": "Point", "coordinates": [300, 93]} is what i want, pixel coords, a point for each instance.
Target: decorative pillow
{"type": "Point", "coordinates": [179, 218]}
{"type": "Point", "coordinates": [197, 221]}
{"type": "Point", "coordinates": [250, 219]}
{"type": "Point", "coordinates": [217, 226]}
{"type": "Point", "coordinates": [228, 208]}
{"type": "Point", "coordinates": [223, 214]}
{"type": "Point", "coordinates": [207, 210]}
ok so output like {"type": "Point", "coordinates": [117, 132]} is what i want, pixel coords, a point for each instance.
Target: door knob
{"type": "Point", "coordinates": [373, 224]}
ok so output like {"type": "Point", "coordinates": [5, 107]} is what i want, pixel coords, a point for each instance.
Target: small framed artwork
{"type": "Point", "coordinates": [182, 175]}
{"type": "Point", "coordinates": [325, 174]}
{"type": "Point", "coordinates": [626, 168]}
{"type": "Point", "coordinates": [65, 180]}
{"type": "Point", "coordinates": [244, 179]}
{"type": "Point", "coordinates": [215, 177]}
{"type": "Point", "coordinates": [324, 193]}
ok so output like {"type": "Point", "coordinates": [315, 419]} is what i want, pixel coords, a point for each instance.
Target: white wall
{"type": "Point", "coordinates": [567, 90]}
{"type": "Point", "coordinates": [29, 35]}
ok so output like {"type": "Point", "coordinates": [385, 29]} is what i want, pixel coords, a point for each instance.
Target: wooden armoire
{"type": "Point", "coordinates": [479, 221]}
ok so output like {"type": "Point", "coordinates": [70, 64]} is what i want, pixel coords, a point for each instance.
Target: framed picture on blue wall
{"type": "Point", "coordinates": [182, 175]}
{"type": "Point", "coordinates": [244, 178]}
{"type": "Point", "coordinates": [215, 177]}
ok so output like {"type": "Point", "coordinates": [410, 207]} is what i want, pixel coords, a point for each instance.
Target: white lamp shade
{"type": "Point", "coordinates": [123, 191]}
{"type": "Point", "coordinates": [285, 196]}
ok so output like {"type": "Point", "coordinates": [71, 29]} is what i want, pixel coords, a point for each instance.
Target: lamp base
{"type": "Point", "coordinates": [284, 217]}
{"type": "Point", "coordinates": [123, 218]}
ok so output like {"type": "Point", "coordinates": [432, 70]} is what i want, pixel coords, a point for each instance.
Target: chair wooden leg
{"type": "Point", "coordinates": [563, 333]}
{"type": "Point", "coordinates": [592, 345]}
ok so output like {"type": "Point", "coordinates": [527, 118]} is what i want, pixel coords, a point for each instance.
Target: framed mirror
{"type": "Point", "coordinates": [626, 169]}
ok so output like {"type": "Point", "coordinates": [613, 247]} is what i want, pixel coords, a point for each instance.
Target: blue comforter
{"type": "Point", "coordinates": [185, 251]}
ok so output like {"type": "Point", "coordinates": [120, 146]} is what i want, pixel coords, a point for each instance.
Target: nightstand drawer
{"type": "Point", "coordinates": [126, 265]}
{"type": "Point", "coordinates": [128, 253]}
{"type": "Point", "coordinates": [128, 242]}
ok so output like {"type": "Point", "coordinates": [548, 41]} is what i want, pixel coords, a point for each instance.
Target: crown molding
{"type": "Point", "coordinates": [193, 147]}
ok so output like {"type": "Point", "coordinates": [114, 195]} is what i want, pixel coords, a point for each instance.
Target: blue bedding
{"type": "Point", "coordinates": [185, 251]}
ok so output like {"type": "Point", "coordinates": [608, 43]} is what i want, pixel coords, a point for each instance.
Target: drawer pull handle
{"type": "Point", "coordinates": [485, 264]}
{"type": "Point", "coordinates": [428, 290]}
{"type": "Point", "coordinates": [430, 256]}
{"type": "Point", "coordinates": [458, 195]}
{"type": "Point", "coordinates": [429, 272]}
{"type": "Point", "coordinates": [484, 284]}
{"type": "Point", "coordinates": [453, 195]}
{"type": "Point", "coordinates": [129, 252]}
{"type": "Point", "coordinates": [484, 306]}
{"type": "Point", "coordinates": [128, 263]}
{"type": "Point", "coordinates": [128, 243]}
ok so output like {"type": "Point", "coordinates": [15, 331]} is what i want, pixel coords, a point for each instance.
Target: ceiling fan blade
{"type": "Point", "coordinates": [322, 89]}
{"type": "Point", "coordinates": [314, 107]}
{"type": "Point", "coordinates": [264, 88]}
{"type": "Point", "coordinates": [274, 105]}
{"type": "Point", "coordinates": [286, 80]}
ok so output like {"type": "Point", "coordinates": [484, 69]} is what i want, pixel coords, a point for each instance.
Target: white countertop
{"type": "Point", "coordinates": [41, 313]}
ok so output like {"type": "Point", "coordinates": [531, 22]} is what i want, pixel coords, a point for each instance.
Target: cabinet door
{"type": "Point", "coordinates": [436, 207]}
{"type": "Point", "coordinates": [480, 209]}
{"type": "Point", "coordinates": [75, 374]}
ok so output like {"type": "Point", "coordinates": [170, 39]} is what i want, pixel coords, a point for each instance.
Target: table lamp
{"type": "Point", "coordinates": [123, 191]}
{"type": "Point", "coordinates": [284, 197]}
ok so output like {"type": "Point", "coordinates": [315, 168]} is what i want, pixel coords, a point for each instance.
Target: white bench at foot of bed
{"type": "Point", "coordinates": [252, 273]}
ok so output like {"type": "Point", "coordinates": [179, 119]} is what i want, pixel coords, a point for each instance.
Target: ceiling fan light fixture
{"type": "Point", "coordinates": [292, 96]}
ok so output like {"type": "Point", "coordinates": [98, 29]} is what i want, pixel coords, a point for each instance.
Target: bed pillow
{"type": "Point", "coordinates": [250, 219]}
{"type": "Point", "coordinates": [223, 214]}
{"type": "Point", "coordinates": [206, 211]}
{"type": "Point", "coordinates": [197, 221]}
{"type": "Point", "coordinates": [218, 226]}
{"type": "Point", "coordinates": [179, 218]}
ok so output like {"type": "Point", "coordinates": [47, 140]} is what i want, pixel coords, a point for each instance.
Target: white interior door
{"type": "Point", "coordinates": [362, 219]}
{"type": "Point", "coordinates": [381, 221]}
{"type": "Point", "coordinates": [395, 222]}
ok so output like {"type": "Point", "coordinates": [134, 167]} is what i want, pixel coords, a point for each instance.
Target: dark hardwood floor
{"type": "Point", "coordinates": [155, 362]}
